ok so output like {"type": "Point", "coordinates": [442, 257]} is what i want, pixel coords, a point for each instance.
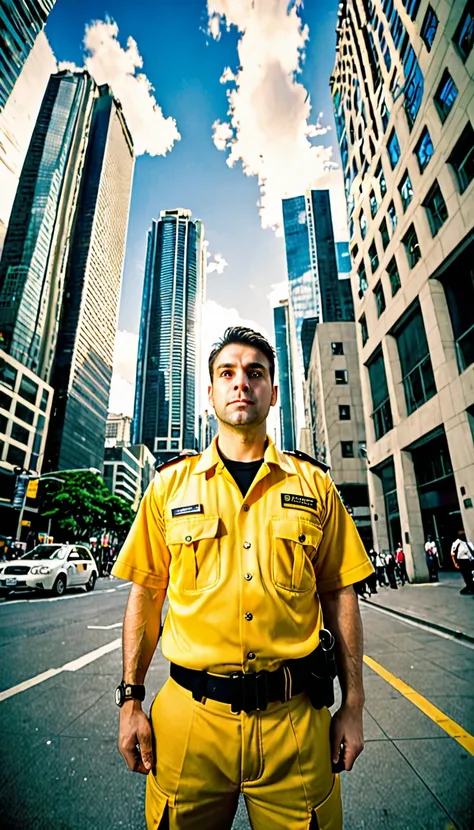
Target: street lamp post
{"type": "Point", "coordinates": [51, 476]}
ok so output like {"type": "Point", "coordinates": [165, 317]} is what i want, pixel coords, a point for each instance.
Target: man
{"type": "Point", "coordinates": [431, 556]}
{"type": "Point", "coordinates": [250, 544]}
{"type": "Point", "coordinates": [463, 559]}
{"type": "Point", "coordinates": [401, 564]}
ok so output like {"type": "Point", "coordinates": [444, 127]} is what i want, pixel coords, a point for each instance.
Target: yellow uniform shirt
{"type": "Point", "coordinates": [243, 574]}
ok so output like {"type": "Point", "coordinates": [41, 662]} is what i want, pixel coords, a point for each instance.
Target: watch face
{"type": "Point", "coordinates": [118, 696]}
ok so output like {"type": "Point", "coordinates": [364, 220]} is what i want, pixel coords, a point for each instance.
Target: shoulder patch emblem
{"type": "Point", "coordinates": [302, 456]}
{"type": "Point", "coordinates": [184, 454]}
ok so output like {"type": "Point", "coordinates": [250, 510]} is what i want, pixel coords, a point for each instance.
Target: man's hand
{"type": "Point", "coordinates": [347, 729]}
{"type": "Point", "coordinates": [135, 738]}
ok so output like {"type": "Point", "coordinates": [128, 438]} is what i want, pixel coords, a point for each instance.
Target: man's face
{"type": "Point", "coordinates": [242, 391]}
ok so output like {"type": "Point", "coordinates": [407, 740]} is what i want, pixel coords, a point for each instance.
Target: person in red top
{"type": "Point", "coordinates": [400, 560]}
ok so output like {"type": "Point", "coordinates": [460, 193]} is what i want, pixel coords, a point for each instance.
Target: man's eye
{"type": "Point", "coordinates": [256, 374]}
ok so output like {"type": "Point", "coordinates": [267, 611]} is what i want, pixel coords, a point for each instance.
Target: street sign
{"type": "Point", "coordinates": [32, 490]}
{"type": "Point", "coordinates": [20, 491]}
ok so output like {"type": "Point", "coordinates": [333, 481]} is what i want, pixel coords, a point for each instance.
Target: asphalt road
{"type": "Point", "coordinates": [60, 768]}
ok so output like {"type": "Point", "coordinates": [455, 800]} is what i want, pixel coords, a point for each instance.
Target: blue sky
{"type": "Point", "coordinates": [184, 65]}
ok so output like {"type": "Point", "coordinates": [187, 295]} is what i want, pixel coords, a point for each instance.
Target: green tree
{"type": "Point", "coordinates": [82, 506]}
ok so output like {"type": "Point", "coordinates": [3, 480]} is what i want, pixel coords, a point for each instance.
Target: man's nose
{"type": "Point", "coordinates": [241, 381]}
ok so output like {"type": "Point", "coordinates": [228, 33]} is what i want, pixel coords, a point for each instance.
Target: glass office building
{"type": "Point", "coordinates": [168, 361]}
{"type": "Point", "coordinates": [85, 344]}
{"type": "Point", "coordinates": [20, 23]}
{"type": "Point", "coordinates": [285, 375]}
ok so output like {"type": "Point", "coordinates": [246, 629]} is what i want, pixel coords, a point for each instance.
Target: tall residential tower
{"type": "Point", "coordinates": [20, 23]}
{"type": "Point", "coordinates": [165, 417]}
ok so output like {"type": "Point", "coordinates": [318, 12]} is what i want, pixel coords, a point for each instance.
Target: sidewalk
{"type": "Point", "coordinates": [437, 604]}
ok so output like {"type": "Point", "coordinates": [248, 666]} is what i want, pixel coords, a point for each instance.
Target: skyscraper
{"type": "Point", "coordinates": [168, 360]}
{"type": "Point", "coordinates": [83, 360]}
{"type": "Point", "coordinates": [402, 92]}
{"type": "Point", "coordinates": [20, 23]}
{"type": "Point", "coordinates": [35, 254]}
{"type": "Point", "coordinates": [285, 375]}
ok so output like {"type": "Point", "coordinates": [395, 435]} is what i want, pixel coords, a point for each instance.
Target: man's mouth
{"type": "Point", "coordinates": [245, 401]}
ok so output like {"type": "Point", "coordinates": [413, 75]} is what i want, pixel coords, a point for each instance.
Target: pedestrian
{"type": "Point", "coordinates": [372, 579]}
{"type": "Point", "coordinates": [431, 556]}
{"type": "Point", "coordinates": [390, 566]}
{"type": "Point", "coordinates": [380, 569]}
{"type": "Point", "coordinates": [463, 559]}
{"type": "Point", "coordinates": [401, 563]}
{"type": "Point", "coordinates": [253, 546]}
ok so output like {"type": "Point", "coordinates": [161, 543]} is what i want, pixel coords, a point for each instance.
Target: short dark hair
{"type": "Point", "coordinates": [247, 337]}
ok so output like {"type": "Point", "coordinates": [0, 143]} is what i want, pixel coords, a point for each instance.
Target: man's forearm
{"type": "Point", "coordinates": [141, 631]}
{"type": "Point", "coordinates": [342, 617]}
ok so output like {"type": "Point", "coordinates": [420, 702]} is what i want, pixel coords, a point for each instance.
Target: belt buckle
{"type": "Point", "coordinates": [249, 692]}
{"type": "Point", "coordinates": [237, 692]}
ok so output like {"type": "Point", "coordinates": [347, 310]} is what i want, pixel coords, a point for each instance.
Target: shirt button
{"type": "Point", "coordinates": [246, 508]}
{"type": "Point", "coordinates": [247, 545]}
{"type": "Point", "coordinates": [188, 538]}
{"type": "Point", "coordinates": [248, 616]}
{"type": "Point", "coordinates": [301, 538]}
{"type": "Point", "coordinates": [251, 655]}
{"type": "Point", "coordinates": [248, 577]}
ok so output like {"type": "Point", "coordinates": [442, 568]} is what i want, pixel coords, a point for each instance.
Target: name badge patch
{"type": "Point", "coordinates": [187, 509]}
{"type": "Point", "coordinates": [299, 502]}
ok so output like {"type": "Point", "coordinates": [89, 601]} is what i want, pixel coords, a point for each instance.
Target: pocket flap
{"type": "Point", "coordinates": [300, 531]}
{"type": "Point", "coordinates": [329, 813]}
{"type": "Point", "coordinates": [187, 531]}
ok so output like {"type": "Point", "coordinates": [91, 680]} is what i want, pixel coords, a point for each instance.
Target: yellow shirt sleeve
{"type": "Point", "coordinates": [342, 559]}
{"type": "Point", "coordinates": [144, 557]}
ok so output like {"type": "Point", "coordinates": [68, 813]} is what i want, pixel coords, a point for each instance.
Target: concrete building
{"type": "Point", "coordinates": [286, 401]}
{"type": "Point", "coordinates": [20, 24]}
{"type": "Point", "coordinates": [404, 107]}
{"type": "Point", "coordinates": [147, 463]}
{"type": "Point", "coordinates": [25, 406]}
{"type": "Point", "coordinates": [122, 474]}
{"type": "Point", "coordinates": [118, 430]}
{"type": "Point", "coordinates": [166, 409]}
{"type": "Point", "coordinates": [208, 429]}
{"type": "Point", "coordinates": [336, 429]}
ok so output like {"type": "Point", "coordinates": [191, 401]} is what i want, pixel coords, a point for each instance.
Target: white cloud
{"type": "Point", "coordinates": [269, 130]}
{"type": "Point", "coordinates": [110, 63]}
{"type": "Point", "coordinates": [123, 378]}
{"type": "Point", "coordinates": [216, 264]}
{"type": "Point", "coordinates": [278, 291]}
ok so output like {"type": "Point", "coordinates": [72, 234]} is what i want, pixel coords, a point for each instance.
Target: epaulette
{"type": "Point", "coordinates": [176, 458]}
{"type": "Point", "coordinates": [303, 457]}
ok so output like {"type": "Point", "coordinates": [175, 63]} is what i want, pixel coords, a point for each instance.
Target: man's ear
{"type": "Point", "coordinates": [274, 395]}
{"type": "Point", "coordinates": [209, 395]}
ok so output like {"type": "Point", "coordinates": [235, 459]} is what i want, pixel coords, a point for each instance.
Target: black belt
{"type": "Point", "coordinates": [246, 692]}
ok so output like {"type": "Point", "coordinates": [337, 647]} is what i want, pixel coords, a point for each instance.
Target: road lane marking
{"type": "Point", "coordinates": [444, 722]}
{"type": "Point", "coordinates": [73, 665]}
{"type": "Point", "coordinates": [106, 627]}
{"type": "Point", "coordinates": [7, 603]}
{"type": "Point", "coordinates": [422, 626]}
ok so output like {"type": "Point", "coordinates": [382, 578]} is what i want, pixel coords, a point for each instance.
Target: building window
{"type": "Point", "coordinates": [470, 418]}
{"type": "Point", "coordinates": [436, 209]}
{"type": "Point", "coordinates": [412, 246]}
{"type": "Point", "coordinates": [344, 412]}
{"type": "Point", "coordinates": [5, 401]}
{"type": "Point", "coordinates": [7, 374]}
{"type": "Point", "coordinates": [413, 87]}
{"type": "Point", "coordinates": [445, 96]}
{"type": "Point", "coordinates": [111, 430]}
{"type": "Point", "coordinates": [464, 35]}
{"type": "Point", "coordinates": [340, 376]}
{"type": "Point", "coordinates": [161, 445]}
{"type": "Point", "coordinates": [411, 6]}
{"type": "Point", "coordinates": [337, 348]}
{"type": "Point", "coordinates": [394, 276]}
{"type": "Point", "coordinates": [374, 257]}
{"type": "Point", "coordinates": [44, 400]}
{"type": "Point", "coordinates": [394, 151]}
{"type": "Point", "coordinates": [424, 149]}
{"type": "Point", "coordinates": [24, 413]}
{"type": "Point", "coordinates": [428, 28]}
{"type": "Point", "coordinates": [381, 412]}
{"type": "Point", "coordinates": [384, 234]}
{"type": "Point", "coordinates": [347, 449]}
{"type": "Point", "coordinates": [379, 298]}
{"type": "Point", "coordinates": [384, 115]}
{"type": "Point", "coordinates": [20, 434]}
{"type": "Point", "coordinates": [462, 158]}
{"type": "Point", "coordinates": [458, 283]}
{"type": "Point", "coordinates": [363, 329]}
{"type": "Point", "coordinates": [3, 424]}
{"type": "Point", "coordinates": [16, 456]}
{"type": "Point", "coordinates": [417, 372]}
{"type": "Point", "coordinates": [392, 215]}
{"type": "Point", "coordinates": [28, 389]}
{"type": "Point", "coordinates": [380, 176]}
{"type": "Point", "coordinates": [363, 224]}
{"type": "Point", "coordinates": [373, 203]}
{"type": "Point", "coordinates": [406, 190]}
{"type": "Point", "coordinates": [363, 284]}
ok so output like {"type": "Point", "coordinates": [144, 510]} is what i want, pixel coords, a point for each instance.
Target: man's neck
{"type": "Point", "coordinates": [238, 446]}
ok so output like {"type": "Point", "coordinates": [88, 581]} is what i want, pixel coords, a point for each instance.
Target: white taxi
{"type": "Point", "coordinates": [50, 568]}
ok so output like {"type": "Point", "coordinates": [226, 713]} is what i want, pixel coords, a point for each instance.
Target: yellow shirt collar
{"type": "Point", "coordinates": [211, 458]}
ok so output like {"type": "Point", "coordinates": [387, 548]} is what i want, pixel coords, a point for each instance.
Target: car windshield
{"type": "Point", "coordinates": [46, 552]}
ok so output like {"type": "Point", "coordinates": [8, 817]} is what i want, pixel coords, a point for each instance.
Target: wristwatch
{"type": "Point", "coordinates": [126, 691]}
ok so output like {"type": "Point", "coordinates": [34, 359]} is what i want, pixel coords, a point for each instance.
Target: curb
{"type": "Point", "coordinates": [453, 632]}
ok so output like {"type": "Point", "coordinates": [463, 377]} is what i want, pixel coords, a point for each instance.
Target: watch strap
{"type": "Point", "coordinates": [130, 691]}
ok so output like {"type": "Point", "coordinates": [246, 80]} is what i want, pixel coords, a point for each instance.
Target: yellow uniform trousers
{"type": "Point", "coordinates": [206, 756]}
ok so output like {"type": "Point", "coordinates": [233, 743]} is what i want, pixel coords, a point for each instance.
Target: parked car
{"type": "Point", "coordinates": [50, 568]}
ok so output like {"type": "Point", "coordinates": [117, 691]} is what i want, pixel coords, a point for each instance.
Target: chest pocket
{"type": "Point", "coordinates": [194, 548]}
{"type": "Point", "coordinates": [295, 544]}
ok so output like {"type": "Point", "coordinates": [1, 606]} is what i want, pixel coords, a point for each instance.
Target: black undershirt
{"type": "Point", "coordinates": [243, 472]}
